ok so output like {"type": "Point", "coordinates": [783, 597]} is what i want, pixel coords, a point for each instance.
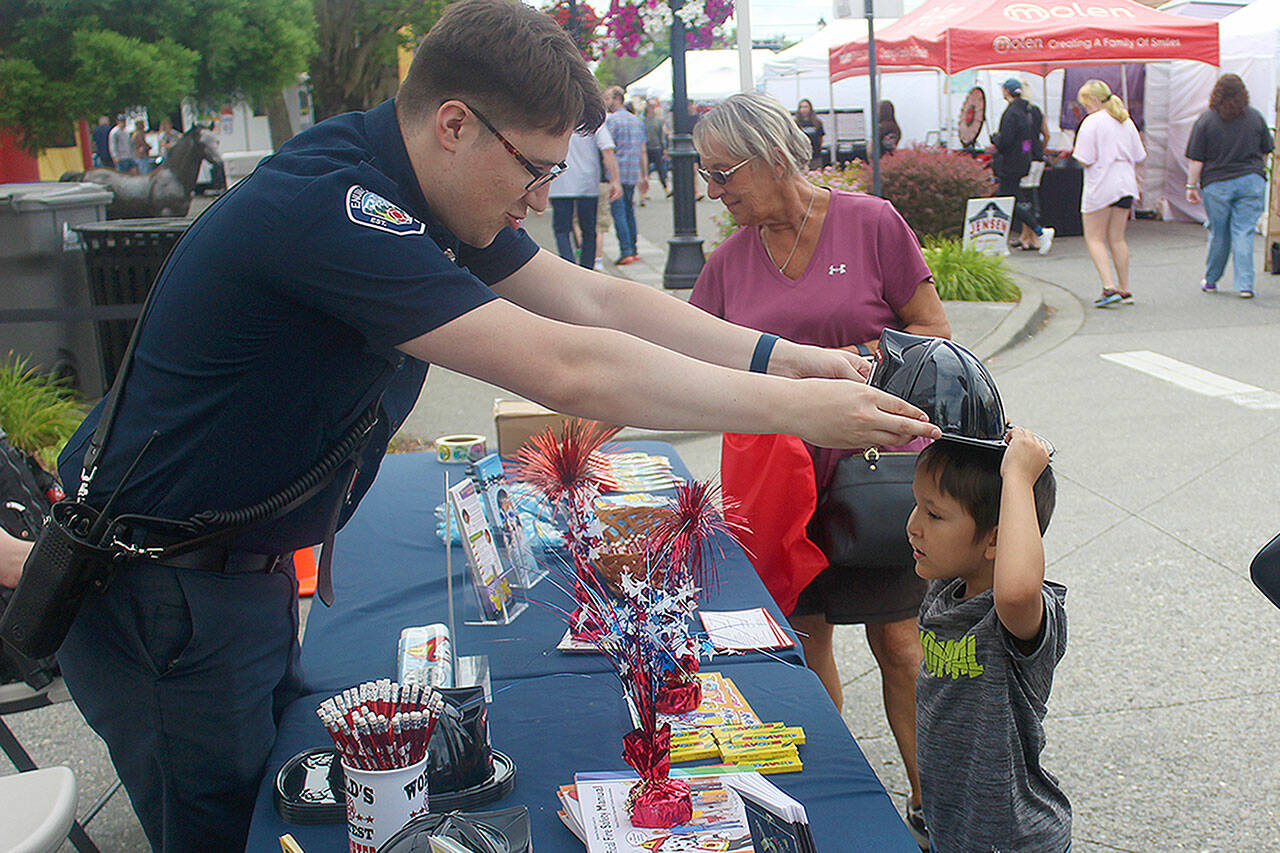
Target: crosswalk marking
{"type": "Point", "coordinates": [1196, 379]}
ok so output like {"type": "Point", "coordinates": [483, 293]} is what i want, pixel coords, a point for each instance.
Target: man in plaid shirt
{"type": "Point", "coordinates": [633, 167]}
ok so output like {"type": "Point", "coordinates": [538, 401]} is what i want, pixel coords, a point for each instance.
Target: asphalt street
{"type": "Point", "coordinates": [1164, 717]}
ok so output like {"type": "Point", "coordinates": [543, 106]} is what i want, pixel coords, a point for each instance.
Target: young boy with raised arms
{"type": "Point", "coordinates": [993, 630]}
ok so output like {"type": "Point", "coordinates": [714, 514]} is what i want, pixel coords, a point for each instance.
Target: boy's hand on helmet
{"type": "Point", "coordinates": [1026, 456]}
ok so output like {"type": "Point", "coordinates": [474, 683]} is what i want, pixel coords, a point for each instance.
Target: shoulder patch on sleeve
{"type": "Point", "coordinates": [373, 211]}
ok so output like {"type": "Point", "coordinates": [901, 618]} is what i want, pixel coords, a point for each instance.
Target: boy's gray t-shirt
{"type": "Point", "coordinates": [980, 700]}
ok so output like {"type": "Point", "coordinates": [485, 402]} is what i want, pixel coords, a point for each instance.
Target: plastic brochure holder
{"type": "Point", "coordinates": [494, 599]}
{"type": "Point", "coordinates": [500, 508]}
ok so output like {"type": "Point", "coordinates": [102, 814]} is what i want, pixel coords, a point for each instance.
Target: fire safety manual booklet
{"type": "Point", "coordinates": [719, 819]}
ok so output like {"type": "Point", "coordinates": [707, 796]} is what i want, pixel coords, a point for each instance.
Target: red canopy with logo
{"type": "Point", "coordinates": [1032, 35]}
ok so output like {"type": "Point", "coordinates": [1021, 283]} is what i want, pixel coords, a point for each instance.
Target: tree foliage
{"type": "Point", "coordinates": [63, 60]}
{"type": "Point", "coordinates": [356, 63]}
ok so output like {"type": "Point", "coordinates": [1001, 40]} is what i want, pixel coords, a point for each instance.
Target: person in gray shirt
{"type": "Point", "coordinates": [993, 630]}
{"type": "Point", "coordinates": [1228, 152]}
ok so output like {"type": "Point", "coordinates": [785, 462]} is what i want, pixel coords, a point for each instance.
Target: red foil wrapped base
{"type": "Point", "coordinates": [660, 803]}
{"type": "Point", "coordinates": [679, 697]}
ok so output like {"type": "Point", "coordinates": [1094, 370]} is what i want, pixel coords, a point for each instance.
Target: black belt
{"type": "Point", "coordinates": [214, 558]}
{"type": "Point", "coordinates": [211, 558]}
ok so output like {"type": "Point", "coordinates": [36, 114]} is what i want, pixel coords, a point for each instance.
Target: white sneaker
{"type": "Point", "coordinates": [1046, 240]}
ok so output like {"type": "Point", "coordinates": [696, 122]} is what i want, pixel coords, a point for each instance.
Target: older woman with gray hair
{"type": "Point", "coordinates": [832, 268]}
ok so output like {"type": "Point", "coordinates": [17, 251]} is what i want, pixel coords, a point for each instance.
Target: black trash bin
{"type": "Point", "coordinates": [45, 313]}
{"type": "Point", "coordinates": [123, 258]}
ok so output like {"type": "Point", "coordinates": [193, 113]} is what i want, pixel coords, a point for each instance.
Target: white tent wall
{"type": "Point", "coordinates": [916, 97]}
{"type": "Point", "coordinates": [711, 75]}
{"type": "Point", "coordinates": [800, 72]}
{"type": "Point", "coordinates": [1250, 47]}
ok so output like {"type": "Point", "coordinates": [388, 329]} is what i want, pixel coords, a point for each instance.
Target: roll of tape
{"type": "Point", "coordinates": [453, 449]}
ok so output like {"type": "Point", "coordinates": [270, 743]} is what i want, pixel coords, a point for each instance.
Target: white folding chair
{"type": "Point", "coordinates": [37, 810]}
{"type": "Point", "coordinates": [19, 697]}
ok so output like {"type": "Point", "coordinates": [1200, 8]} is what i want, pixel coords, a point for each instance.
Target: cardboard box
{"type": "Point", "coordinates": [516, 421]}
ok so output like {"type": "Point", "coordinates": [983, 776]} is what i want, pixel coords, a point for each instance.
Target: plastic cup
{"type": "Point", "coordinates": [380, 802]}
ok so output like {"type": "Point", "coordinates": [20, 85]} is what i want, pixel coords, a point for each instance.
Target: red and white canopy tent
{"type": "Point", "coordinates": [1029, 35]}
{"type": "Point", "coordinates": [1036, 36]}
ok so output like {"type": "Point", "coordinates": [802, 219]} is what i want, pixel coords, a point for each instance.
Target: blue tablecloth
{"type": "Point", "coordinates": [556, 725]}
{"type": "Point", "coordinates": [388, 574]}
{"type": "Point", "coordinates": [554, 714]}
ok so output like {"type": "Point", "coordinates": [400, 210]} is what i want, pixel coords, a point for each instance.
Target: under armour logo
{"type": "Point", "coordinates": [833, 269]}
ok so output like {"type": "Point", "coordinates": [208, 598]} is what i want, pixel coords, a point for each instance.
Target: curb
{"type": "Point", "coordinates": [1026, 318]}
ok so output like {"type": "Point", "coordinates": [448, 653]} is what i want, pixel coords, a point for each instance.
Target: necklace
{"type": "Point", "coordinates": [794, 245]}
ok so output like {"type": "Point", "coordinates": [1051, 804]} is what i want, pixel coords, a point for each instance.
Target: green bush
{"type": "Point", "coordinates": [37, 412]}
{"type": "Point", "coordinates": [929, 187]}
{"type": "Point", "coordinates": [967, 274]}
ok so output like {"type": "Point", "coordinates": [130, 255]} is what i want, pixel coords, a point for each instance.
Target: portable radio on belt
{"type": "Point", "coordinates": [80, 546]}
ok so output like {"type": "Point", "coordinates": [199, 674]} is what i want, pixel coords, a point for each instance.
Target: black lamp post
{"type": "Point", "coordinates": [684, 250]}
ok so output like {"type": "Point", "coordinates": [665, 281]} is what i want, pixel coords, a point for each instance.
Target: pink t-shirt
{"type": "Point", "coordinates": [866, 266]}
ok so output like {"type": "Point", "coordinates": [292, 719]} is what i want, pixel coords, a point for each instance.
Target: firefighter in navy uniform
{"type": "Point", "coordinates": [314, 293]}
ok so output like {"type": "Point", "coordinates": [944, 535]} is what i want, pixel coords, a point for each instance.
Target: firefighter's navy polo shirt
{"type": "Point", "coordinates": [274, 326]}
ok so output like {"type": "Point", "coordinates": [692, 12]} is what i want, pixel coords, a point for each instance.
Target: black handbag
{"type": "Point", "coordinates": [861, 519]}
{"type": "Point", "coordinates": [1265, 571]}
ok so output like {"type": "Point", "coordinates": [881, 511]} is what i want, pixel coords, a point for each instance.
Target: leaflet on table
{"type": "Point", "coordinates": [570, 643]}
{"type": "Point", "coordinates": [722, 705]}
{"type": "Point", "coordinates": [500, 508]}
{"type": "Point", "coordinates": [570, 812]}
{"type": "Point", "coordinates": [744, 630]}
{"type": "Point", "coordinates": [719, 819]}
{"type": "Point", "coordinates": [637, 471]}
{"type": "Point", "coordinates": [778, 821]}
{"type": "Point", "coordinates": [492, 583]}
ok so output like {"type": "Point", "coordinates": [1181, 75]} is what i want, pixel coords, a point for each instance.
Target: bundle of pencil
{"type": "Point", "coordinates": [381, 725]}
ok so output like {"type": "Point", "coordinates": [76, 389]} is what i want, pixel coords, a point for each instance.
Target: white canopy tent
{"type": "Point", "coordinates": [800, 72]}
{"type": "Point", "coordinates": [711, 75]}
{"type": "Point", "coordinates": [1178, 92]}
{"type": "Point", "coordinates": [920, 98]}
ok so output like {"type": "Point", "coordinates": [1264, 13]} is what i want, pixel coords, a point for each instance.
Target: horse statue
{"type": "Point", "coordinates": [164, 191]}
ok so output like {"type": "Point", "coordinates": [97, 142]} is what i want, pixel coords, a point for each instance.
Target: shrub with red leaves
{"type": "Point", "coordinates": [929, 187]}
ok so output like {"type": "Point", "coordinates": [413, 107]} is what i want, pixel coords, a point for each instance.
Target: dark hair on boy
{"type": "Point", "coordinates": [514, 63]}
{"type": "Point", "coordinates": [971, 475]}
{"type": "Point", "coordinates": [1229, 97]}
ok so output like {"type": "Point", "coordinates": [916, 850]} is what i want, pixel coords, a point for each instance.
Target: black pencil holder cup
{"type": "Point", "coordinates": [459, 752]}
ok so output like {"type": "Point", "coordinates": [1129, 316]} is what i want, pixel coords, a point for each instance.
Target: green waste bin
{"type": "Point", "coordinates": [45, 312]}
{"type": "Point", "coordinates": [122, 258]}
